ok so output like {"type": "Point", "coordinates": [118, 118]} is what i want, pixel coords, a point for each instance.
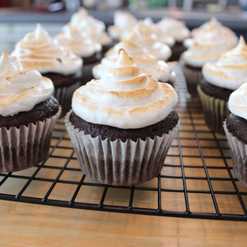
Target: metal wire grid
{"type": "Point", "coordinates": [195, 182]}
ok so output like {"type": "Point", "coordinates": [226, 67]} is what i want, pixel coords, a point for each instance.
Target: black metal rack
{"type": "Point", "coordinates": [195, 182]}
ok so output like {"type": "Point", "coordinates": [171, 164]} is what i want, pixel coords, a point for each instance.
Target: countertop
{"type": "Point", "coordinates": [24, 225]}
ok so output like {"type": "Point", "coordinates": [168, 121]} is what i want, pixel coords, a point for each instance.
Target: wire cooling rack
{"type": "Point", "coordinates": [195, 182]}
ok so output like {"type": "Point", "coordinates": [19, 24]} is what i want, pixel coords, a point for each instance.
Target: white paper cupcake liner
{"type": "Point", "coordinates": [118, 162]}
{"type": "Point", "coordinates": [215, 111]}
{"type": "Point", "coordinates": [239, 155]}
{"type": "Point", "coordinates": [25, 146]}
{"type": "Point", "coordinates": [64, 96]}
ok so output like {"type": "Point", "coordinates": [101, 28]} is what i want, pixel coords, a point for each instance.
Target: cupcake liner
{"type": "Point", "coordinates": [193, 78]}
{"type": "Point", "coordinates": [25, 146]}
{"type": "Point", "coordinates": [118, 162]}
{"type": "Point", "coordinates": [239, 155]}
{"type": "Point", "coordinates": [64, 96]}
{"type": "Point", "coordinates": [215, 111]}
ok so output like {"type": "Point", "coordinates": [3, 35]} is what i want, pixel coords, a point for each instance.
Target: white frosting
{"type": "Point", "coordinates": [209, 43]}
{"type": "Point", "coordinates": [124, 97]}
{"type": "Point", "coordinates": [155, 30]}
{"type": "Point", "coordinates": [174, 28]}
{"type": "Point", "coordinates": [81, 44]}
{"type": "Point", "coordinates": [37, 50]}
{"type": "Point", "coordinates": [124, 22]}
{"type": "Point", "coordinates": [230, 71]}
{"type": "Point", "coordinates": [20, 90]}
{"type": "Point", "coordinates": [149, 41]}
{"type": "Point", "coordinates": [159, 70]}
{"type": "Point", "coordinates": [90, 26]}
{"type": "Point", "coordinates": [237, 103]}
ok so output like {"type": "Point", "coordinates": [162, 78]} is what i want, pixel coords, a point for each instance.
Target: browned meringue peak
{"type": "Point", "coordinates": [37, 50]}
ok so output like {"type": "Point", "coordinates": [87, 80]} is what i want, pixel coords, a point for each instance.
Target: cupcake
{"type": "Point", "coordinates": [83, 46]}
{"type": "Point", "coordinates": [28, 113]}
{"type": "Point", "coordinates": [122, 125]}
{"type": "Point", "coordinates": [235, 128]}
{"type": "Point", "coordinates": [92, 27]}
{"type": "Point", "coordinates": [208, 45]}
{"type": "Point", "coordinates": [123, 23]}
{"type": "Point", "coordinates": [220, 79]}
{"type": "Point", "coordinates": [149, 41]}
{"type": "Point", "coordinates": [178, 31]}
{"type": "Point", "coordinates": [159, 70]}
{"type": "Point", "coordinates": [37, 50]}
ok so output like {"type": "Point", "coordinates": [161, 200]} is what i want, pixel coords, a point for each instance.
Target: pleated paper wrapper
{"type": "Point", "coordinates": [239, 155]}
{"type": "Point", "coordinates": [215, 111]}
{"type": "Point", "coordinates": [25, 146]}
{"type": "Point", "coordinates": [118, 162]}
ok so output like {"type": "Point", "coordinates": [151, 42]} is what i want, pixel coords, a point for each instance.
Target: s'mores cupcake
{"type": "Point", "coordinates": [38, 51]}
{"type": "Point", "coordinates": [220, 79]}
{"type": "Point", "coordinates": [28, 113]}
{"type": "Point", "coordinates": [208, 45]}
{"type": "Point", "coordinates": [122, 125]}
{"type": "Point", "coordinates": [235, 128]}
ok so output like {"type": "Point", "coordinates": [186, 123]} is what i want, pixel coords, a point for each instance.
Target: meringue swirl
{"type": "Point", "coordinates": [237, 103]}
{"type": "Point", "coordinates": [124, 22]}
{"type": "Point", "coordinates": [174, 28]}
{"type": "Point", "coordinates": [230, 71]}
{"type": "Point", "coordinates": [37, 50]}
{"type": "Point", "coordinates": [73, 39]}
{"type": "Point", "coordinates": [21, 90]}
{"type": "Point", "coordinates": [149, 41]}
{"type": "Point", "coordinates": [124, 98]}
{"type": "Point", "coordinates": [158, 69]}
{"type": "Point", "coordinates": [209, 43]}
{"type": "Point", "coordinates": [88, 25]}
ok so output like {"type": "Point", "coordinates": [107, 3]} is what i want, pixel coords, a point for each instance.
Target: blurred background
{"type": "Point", "coordinates": [20, 16]}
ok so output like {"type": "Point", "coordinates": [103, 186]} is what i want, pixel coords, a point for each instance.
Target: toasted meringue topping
{"type": "Point", "coordinates": [124, 22]}
{"type": "Point", "coordinates": [209, 43]}
{"type": "Point", "coordinates": [149, 41]}
{"type": "Point", "coordinates": [37, 50]}
{"type": "Point", "coordinates": [159, 70]}
{"type": "Point", "coordinates": [81, 44]}
{"type": "Point", "coordinates": [174, 28]}
{"type": "Point", "coordinates": [230, 71]}
{"type": "Point", "coordinates": [19, 90]}
{"type": "Point", "coordinates": [124, 97]}
{"type": "Point", "coordinates": [88, 25]}
{"type": "Point", "coordinates": [237, 103]}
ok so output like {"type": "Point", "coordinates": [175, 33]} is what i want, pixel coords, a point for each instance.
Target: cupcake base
{"type": "Point", "coordinates": [25, 145]}
{"type": "Point", "coordinates": [109, 157]}
{"type": "Point", "coordinates": [177, 51]}
{"type": "Point", "coordinates": [65, 85]}
{"type": "Point", "coordinates": [215, 111]}
{"type": "Point", "coordinates": [239, 154]}
{"type": "Point", "coordinates": [193, 77]}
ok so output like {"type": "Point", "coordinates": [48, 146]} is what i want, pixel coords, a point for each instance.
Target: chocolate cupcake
{"type": "Point", "coordinates": [148, 38]}
{"type": "Point", "coordinates": [123, 24]}
{"type": "Point", "coordinates": [93, 28]}
{"type": "Point", "coordinates": [178, 31]}
{"type": "Point", "coordinates": [122, 125]}
{"type": "Point", "coordinates": [159, 70]}
{"type": "Point", "coordinates": [83, 46]}
{"type": "Point", "coordinates": [28, 113]}
{"type": "Point", "coordinates": [37, 50]}
{"type": "Point", "coordinates": [207, 46]}
{"type": "Point", "coordinates": [219, 80]}
{"type": "Point", "coordinates": [235, 128]}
